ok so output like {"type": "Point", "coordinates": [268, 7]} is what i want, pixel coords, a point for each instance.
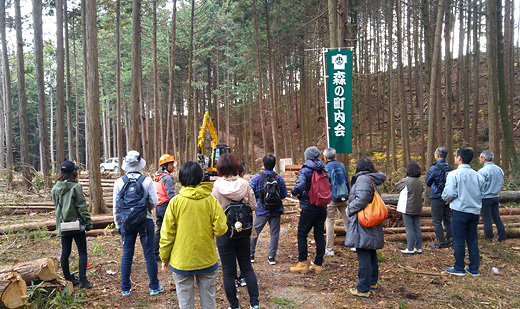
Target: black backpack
{"type": "Point", "coordinates": [239, 220]}
{"type": "Point", "coordinates": [132, 202]}
{"type": "Point", "coordinates": [270, 192]}
{"type": "Point", "coordinates": [442, 184]}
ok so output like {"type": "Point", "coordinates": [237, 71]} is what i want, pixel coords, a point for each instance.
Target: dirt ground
{"type": "Point", "coordinates": [406, 281]}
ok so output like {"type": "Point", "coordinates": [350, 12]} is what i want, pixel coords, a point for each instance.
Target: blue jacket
{"type": "Point", "coordinates": [257, 183]}
{"type": "Point", "coordinates": [464, 190]}
{"type": "Point", "coordinates": [335, 164]}
{"type": "Point", "coordinates": [303, 184]}
{"type": "Point", "coordinates": [435, 176]}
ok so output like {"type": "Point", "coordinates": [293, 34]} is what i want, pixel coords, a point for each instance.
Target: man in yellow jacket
{"type": "Point", "coordinates": [187, 244]}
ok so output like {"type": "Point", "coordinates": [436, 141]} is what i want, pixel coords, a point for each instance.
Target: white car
{"type": "Point", "coordinates": [109, 165]}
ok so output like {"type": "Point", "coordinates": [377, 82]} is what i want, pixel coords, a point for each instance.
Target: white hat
{"type": "Point", "coordinates": [133, 162]}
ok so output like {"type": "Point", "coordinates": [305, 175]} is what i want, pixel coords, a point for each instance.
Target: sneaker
{"type": "Point", "coordinates": [417, 251]}
{"type": "Point", "coordinates": [156, 292]}
{"type": "Point", "coordinates": [84, 284]}
{"type": "Point", "coordinates": [453, 271]}
{"type": "Point", "coordinates": [125, 293]}
{"type": "Point", "coordinates": [242, 281]}
{"type": "Point", "coordinates": [473, 273]}
{"type": "Point", "coordinates": [252, 258]}
{"type": "Point", "coordinates": [406, 251]}
{"type": "Point", "coordinates": [355, 293]}
{"type": "Point", "coordinates": [353, 249]}
{"type": "Point", "coordinates": [254, 307]}
{"type": "Point", "coordinates": [374, 287]}
{"type": "Point", "coordinates": [329, 252]}
{"type": "Point", "coordinates": [271, 261]}
{"type": "Point", "coordinates": [237, 284]}
{"type": "Point", "coordinates": [438, 246]}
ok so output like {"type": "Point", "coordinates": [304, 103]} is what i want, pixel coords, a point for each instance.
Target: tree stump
{"type": "Point", "coordinates": [13, 290]}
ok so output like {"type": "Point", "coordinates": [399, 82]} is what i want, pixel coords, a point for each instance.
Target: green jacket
{"type": "Point", "coordinates": [68, 197]}
{"type": "Point", "coordinates": [191, 222]}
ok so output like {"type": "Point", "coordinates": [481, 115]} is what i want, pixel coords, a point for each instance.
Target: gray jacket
{"type": "Point", "coordinates": [361, 194]}
{"type": "Point", "coordinates": [415, 189]}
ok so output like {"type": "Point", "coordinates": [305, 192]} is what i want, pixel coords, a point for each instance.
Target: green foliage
{"type": "Point", "coordinates": [286, 303]}
{"type": "Point", "coordinates": [142, 303]}
{"type": "Point", "coordinates": [41, 298]}
{"type": "Point", "coordinates": [401, 304]}
{"type": "Point", "coordinates": [380, 257]}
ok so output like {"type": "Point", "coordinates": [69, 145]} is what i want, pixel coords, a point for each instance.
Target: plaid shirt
{"type": "Point", "coordinates": [257, 183]}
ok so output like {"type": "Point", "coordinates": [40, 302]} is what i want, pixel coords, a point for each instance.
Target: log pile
{"type": "Point", "coordinates": [15, 278]}
{"type": "Point", "coordinates": [100, 222]}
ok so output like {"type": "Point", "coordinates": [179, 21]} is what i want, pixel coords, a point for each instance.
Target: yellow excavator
{"type": "Point", "coordinates": [209, 163]}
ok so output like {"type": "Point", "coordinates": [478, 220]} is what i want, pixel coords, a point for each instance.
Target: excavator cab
{"type": "Point", "coordinates": [209, 163]}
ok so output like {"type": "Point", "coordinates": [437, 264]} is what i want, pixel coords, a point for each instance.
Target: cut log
{"type": "Point", "coordinates": [37, 270]}
{"type": "Point", "coordinates": [13, 290]}
{"type": "Point", "coordinates": [94, 233]}
{"type": "Point", "coordinates": [504, 196]}
{"type": "Point", "coordinates": [99, 222]}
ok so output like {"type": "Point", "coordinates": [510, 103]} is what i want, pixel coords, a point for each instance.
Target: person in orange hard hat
{"type": "Point", "coordinates": [165, 186]}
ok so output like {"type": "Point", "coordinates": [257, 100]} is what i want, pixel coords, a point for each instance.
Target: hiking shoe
{"type": "Point", "coordinates": [254, 307]}
{"type": "Point", "coordinates": [355, 293]}
{"type": "Point", "coordinates": [406, 251]}
{"type": "Point", "coordinates": [301, 267]}
{"type": "Point", "coordinates": [374, 287]}
{"type": "Point", "coordinates": [353, 249]}
{"type": "Point", "coordinates": [438, 246]}
{"type": "Point", "coordinates": [72, 278]}
{"type": "Point", "coordinates": [242, 281]}
{"type": "Point", "coordinates": [156, 292]}
{"type": "Point", "coordinates": [271, 261]}
{"type": "Point", "coordinates": [84, 284]}
{"type": "Point", "coordinates": [417, 251]}
{"type": "Point", "coordinates": [473, 273]}
{"type": "Point", "coordinates": [329, 252]}
{"type": "Point", "coordinates": [453, 271]}
{"type": "Point", "coordinates": [236, 283]}
{"type": "Point", "coordinates": [252, 258]}
{"type": "Point", "coordinates": [315, 268]}
{"type": "Point", "coordinates": [125, 293]}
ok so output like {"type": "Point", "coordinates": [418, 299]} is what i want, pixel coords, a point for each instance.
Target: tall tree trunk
{"type": "Point", "coordinates": [68, 87]}
{"type": "Point", "coordinates": [476, 70]}
{"type": "Point", "coordinates": [272, 96]}
{"type": "Point", "coordinates": [118, 87]}
{"type": "Point", "coordinates": [260, 83]}
{"type": "Point", "coordinates": [466, 83]}
{"type": "Point", "coordinates": [493, 94]}
{"type": "Point", "coordinates": [190, 137]}
{"type": "Point", "coordinates": [419, 88]}
{"type": "Point", "coordinates": [22, 100]}
{"type": "Point", "coordinates": [333, 23]}
{"type": "Point", "coordinates": [432, 97]}
{"type": "Point", "coordinates": [76, 95]}
{"type": "Point", "coordinates": [8, 101]}
{"type": "Point", "coordinates": [157, 140]}
{"type": "Point", "coordinates": [391, 111]}
{"type": "Point", "coordinates": [507, 131]}
{"type": "Point", "coordinates": [60, 89]}
{"type": "Point", "coordinates": [134, 138]}
{"type": "Point", "coordinates": [460, 60]}
{"type": "Point", "coordinates": [448, 82]}
{"type": "Point", "coordinates": [43, 134]}
{"type": "Point", "coordinates": [405, 132]}
{"type": "Point", "coordinates": [97, 205]}
{"type": "Point", "coordinates": [170, 127]}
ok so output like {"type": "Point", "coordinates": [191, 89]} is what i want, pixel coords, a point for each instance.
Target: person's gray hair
{"type": "Point", "coordinates": [487, 155]}
{"type": "Point", "coordinates": [329, 153]}
{"type": "Point", "coordinates": [442, 152]}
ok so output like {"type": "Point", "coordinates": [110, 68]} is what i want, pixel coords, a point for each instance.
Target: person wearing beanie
{"type": "Point", "coordinates": [311, 216]}
{"type": "Point", "coordinates": [71, 206]}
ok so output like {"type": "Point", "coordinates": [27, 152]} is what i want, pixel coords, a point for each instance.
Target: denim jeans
{"type": "Point", "coordinates": [146, 235]}
{"type": "Point", "coordinates": [66, 247]}
{"type": "Point", "coordinates": [332, 208]}
{"type": "Point", "coordinates": [231, 250]}
{"type": "Point", "coordinates": [368, 269]}
{"type": "Point", "coordinates": [412, 225]}
{"type": "Point", "coordinates": [274, 232]}
{"type": "Point", "coordinates": [490, 212]}
{"type": "Point", "coordinates": [184, 285]}
{"type": "Point", "coordinates": [441, 213]}
{"type": "Point", "coordinates": [465, 232]}
{"type": "Point", "coordinates": [160, 210]}
{"type": "Point", "coordinates": [309, 220]}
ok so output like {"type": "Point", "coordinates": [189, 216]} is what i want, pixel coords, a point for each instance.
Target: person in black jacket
{"type": "Point", "coordinates": [366, 240]}
{"type": "Point", "coordinates": [441, 212]}
{"type": "Point", "coordinates": [311, 216]}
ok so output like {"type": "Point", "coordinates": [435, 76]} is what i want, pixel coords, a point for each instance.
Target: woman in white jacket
{"type": "Point", "coordinates": [227, 188]}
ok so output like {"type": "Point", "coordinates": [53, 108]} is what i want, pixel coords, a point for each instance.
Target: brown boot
{"type": "Point", "coordinates": [315, 268]}
{"type": "Point", "coordinates": [301, 267]}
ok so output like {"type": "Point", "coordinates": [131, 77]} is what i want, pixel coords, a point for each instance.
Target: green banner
{"type": "Point", "coordinates": [339, 99]}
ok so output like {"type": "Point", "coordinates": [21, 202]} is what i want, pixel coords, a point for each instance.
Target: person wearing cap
{"type": "Point", "coordinates": [165, 186]}
{"type": "Point", "coordinates": [71, 205]}
{"type": "Point", "coordinates": [132, 165]}
{"type": "Point", "coordinates": [311, 216]}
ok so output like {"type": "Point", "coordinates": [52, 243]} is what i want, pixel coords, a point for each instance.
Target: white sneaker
{"type": "Point", "coordinates": [418, 251]}
{"type": "Point", "coordinates": [329, 252]}
{"type": "Point", "coordinates": [406, 251]}
{"type": "Point", "coordinates": [353, 249]}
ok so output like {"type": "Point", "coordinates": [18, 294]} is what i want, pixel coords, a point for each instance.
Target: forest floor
{"type": "Point", "coordinates": [406, 281]}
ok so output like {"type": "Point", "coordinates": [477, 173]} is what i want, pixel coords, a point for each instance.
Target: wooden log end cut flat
{"type": "Point", "coordinates": [13, 290]}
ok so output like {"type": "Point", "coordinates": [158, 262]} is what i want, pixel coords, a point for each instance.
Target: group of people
{"type": "Point", "coordinates": [183, 236]}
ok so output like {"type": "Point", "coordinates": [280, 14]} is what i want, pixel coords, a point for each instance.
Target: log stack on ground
{"type": "Point", "coordinates": [100, 222]}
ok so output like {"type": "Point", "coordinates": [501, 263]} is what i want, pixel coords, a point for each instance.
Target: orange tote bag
{"type": "Point", "coordinates": [375, 212]}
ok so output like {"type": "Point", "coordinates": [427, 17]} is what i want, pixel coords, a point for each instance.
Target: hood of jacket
{"type": "Point", "coordinates": [198, 192]}
{"type": "Point", "coordinates": [314, 164]}
{"type": "Point", "coordinates": [62, 187]}
{"type": "Point", "coordinates": [377, 178]}
{"type": "Point", "coordinates": [233, 188]}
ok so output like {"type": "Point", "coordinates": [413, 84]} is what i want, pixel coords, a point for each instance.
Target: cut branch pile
{"type": "Point", "coordinates": [15, 278]}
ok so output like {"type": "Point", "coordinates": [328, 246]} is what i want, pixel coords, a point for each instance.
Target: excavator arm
{"type": "Point", "coordinates": [207, 122]}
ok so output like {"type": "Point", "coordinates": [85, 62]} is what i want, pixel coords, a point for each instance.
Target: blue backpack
{"type": "Point", "coordinates": [338, 184]}
{"type": "Point", "coordinates": [132, 202]}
